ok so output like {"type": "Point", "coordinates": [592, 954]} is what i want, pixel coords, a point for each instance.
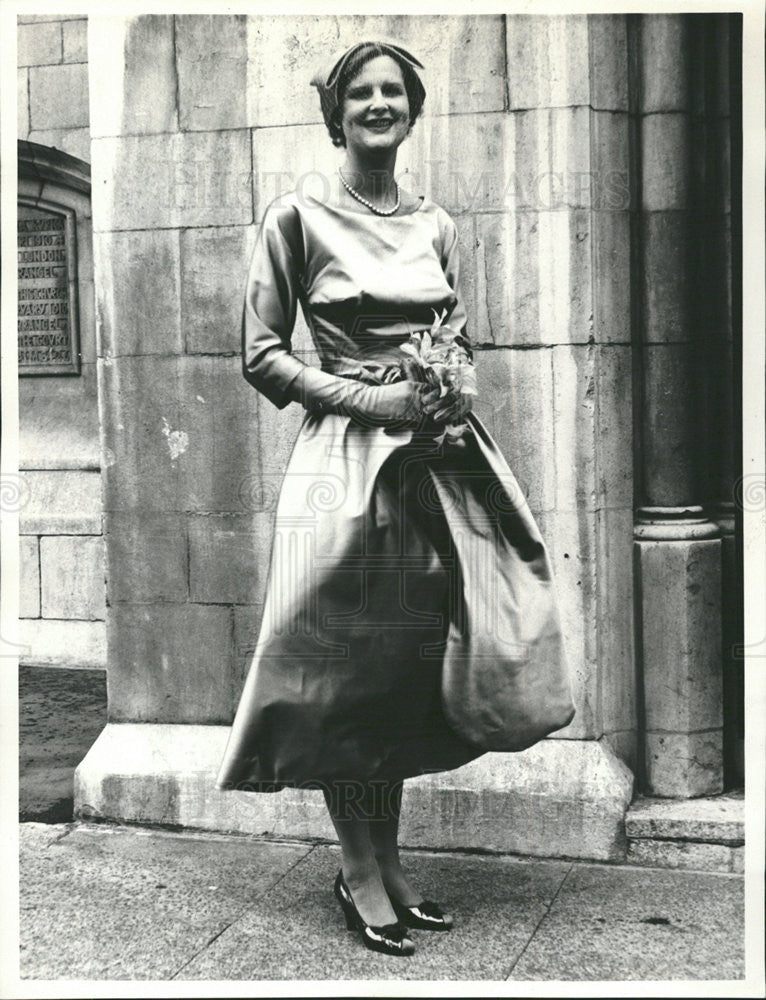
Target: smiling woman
{"type": "Point", "coordinates": [410, 621]}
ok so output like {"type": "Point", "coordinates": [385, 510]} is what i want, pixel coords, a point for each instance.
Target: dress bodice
{"type": "Point", "coordinates": [365, 283]}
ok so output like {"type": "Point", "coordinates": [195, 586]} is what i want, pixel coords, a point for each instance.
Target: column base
{"type": "Point", "coordinates": [561, 798]}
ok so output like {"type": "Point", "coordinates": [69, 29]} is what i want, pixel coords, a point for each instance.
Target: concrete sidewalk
{"type": "Point", "coordinates": [115, 902]}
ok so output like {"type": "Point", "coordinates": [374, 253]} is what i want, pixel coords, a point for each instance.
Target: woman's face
{"type": "Point", "coordinates": [376, 110]}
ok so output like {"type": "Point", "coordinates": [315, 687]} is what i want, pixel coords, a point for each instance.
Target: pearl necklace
{"type": "Point", "coordinates": [372, 208]}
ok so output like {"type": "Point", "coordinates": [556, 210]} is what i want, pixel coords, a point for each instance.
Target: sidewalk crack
{"type": "Point", "coordinates": [539, 923]}
{"type": "Point", "coordinates": [244, 910]}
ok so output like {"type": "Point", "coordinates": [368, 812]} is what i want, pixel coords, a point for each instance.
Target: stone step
{"type": "Point", "coordinates": [706, 834]}
{"type": "Point", "coordinates": [560, 798]}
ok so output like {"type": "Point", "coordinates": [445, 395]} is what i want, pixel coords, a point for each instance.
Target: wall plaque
{"type": "Point", "coordinates": [47, 284]}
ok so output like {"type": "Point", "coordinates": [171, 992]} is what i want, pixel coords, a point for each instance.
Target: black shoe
{"type": "Point", "coordinates": [426, 916]}
{"type": "Point", "coordinates": [390, 939]}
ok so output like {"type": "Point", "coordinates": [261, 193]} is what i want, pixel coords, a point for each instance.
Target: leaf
{"type": "Point", "coordinates": [410, 349]}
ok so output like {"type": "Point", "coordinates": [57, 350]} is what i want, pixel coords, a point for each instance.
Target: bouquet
{"type": "Point", "coordinates": [440, 357]}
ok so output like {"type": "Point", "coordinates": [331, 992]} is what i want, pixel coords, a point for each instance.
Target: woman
{"type": "Point", "coordinates": [371, 581]}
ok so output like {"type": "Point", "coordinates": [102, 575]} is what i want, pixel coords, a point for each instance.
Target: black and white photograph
{"type": "Point", "coordinates": [383, 502]}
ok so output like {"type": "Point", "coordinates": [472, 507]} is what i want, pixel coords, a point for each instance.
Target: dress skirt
{"type": "Point", "coordinates": [384, 541]}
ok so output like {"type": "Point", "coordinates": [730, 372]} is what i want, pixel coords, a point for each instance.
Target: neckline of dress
{"type": "Point", "coordinates": [369, 215]}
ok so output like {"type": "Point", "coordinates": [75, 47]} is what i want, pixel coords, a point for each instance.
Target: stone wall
{"type": "Point", "coordinates": [525, 141]}
{"type": "Point", "coordinates": [62, 598]}
{"type": "Point", "coordinates": [53, 82]}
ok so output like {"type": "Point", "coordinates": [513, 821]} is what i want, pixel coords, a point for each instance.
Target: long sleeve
{"type": "Point", "coordinates": [450, 260]}
{"type": "Point", "coordinates": [270, 306]}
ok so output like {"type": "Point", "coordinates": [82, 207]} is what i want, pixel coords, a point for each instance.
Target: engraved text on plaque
{"type": "Point", "coordinates": [48, 341]}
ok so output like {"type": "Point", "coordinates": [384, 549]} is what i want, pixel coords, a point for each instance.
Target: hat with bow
{"type": "Point", "coordinates": [329, 77]}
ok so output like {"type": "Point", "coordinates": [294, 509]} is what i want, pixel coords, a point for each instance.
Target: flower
{"type": "Point", "coordinates": [441, 357]}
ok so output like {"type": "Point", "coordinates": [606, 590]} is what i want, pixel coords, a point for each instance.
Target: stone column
{"type": "Point", "coordinates": [678, 549]}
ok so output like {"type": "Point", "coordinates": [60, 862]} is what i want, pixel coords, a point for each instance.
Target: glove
{"type": "Point", "coordinates": [398, 404]}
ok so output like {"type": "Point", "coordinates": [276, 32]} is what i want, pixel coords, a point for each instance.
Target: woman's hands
{"type": "Point", "coordinates": [451, 408]}
{"type": "Point", "coordinates": [406, 403]}
{"type": "Point", "coordinates": [397, 404]}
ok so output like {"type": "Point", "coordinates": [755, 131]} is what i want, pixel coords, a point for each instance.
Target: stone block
{"type": "Point", "coordinates": [610, 174]}
{"type": "Point", "coordinates": [664, 62]}
{"type": "Point", "coordinates": [181, 180]}
{"type": "Point", "coordinates": [681, 634]}
{"type": "Point", "coordinates": [485, 247]}
{"type": "Point", "coordinates": [29, 577]}
{"type": "Point", "coordinates": [515, 401]}
{"type": "Point", "coordinates": [60, 503]}
{"type": "Point", "coordinates": [293, 158]}
{"type": "Point", "coordinates": [547, 161]}
{"type": "Point", "coordinates": [75, 37]}
{"type": "Point", "coordinates": [58, 96]}
{"type": "Point", "coordinates": [615, 603]}
{"type": "Point", "coordinates": [212, 66]}
{"type": "Point", "coordinates": [74, 141]}
{"type": "Point", "coordinates": [143, 49]}
{"type": "Point", "coordinates": [72, 577]}
{"type": "Point", "coordinates": [39, 44]}
{"type": "Point", "coordinates": [668, 276]}
{"type": "Point", "coordinates": [219, 411]}
{"type": "Point", "coordinates": [214, 267]}
{"type": "Point", "coordinates": [673, 446]}
{"type": "Point", "coordinates": [139, 291]}
{"type": "Point", "coordinates": [608, 61]}
{"type": "Point", "coordinates": [145, 442]}
{"type": "Point", "coordinates": [613, 434]}
{"type": "Point", "coordinates": [719, 819]}
{"type": "Point", "coordinates": [170, 663]}
{"type": "Point", "coordinates": [229, 557]}
{"type": "Point", "coordinates": [518, 803]}
{"type": "Point", "coordinates": [22, 103]}
{"type": "Point", "coordinates": [570, 537]}
{"type": "Point", "coordinates": [547, 60]}
{"type": "Point", "coordinates": [665, 144]}
{"type": "Point", "coordinates": [147, 557]}
{"type": "Point", "coordinates": [461, 160]}
{"type": "Point", "coordinates": [574, 427]}
{"type": "Point", "coordinates": [551, 284]}
{"type": "Point", "coordinates": [476, 74]}
{"type": "Point", "coordinates": [683, 855]}
{"type": "Point", "coordinates": [684, 765]}
{"type": "Point", "coordinates": [560, 798]}
{"type": "Point", "coordinates": [284, 54]}
{"type": "Point", "coordinates": [247, 624]}
{"type": "Point", "coordinates": [75, 644]}
{"type": "Point", "coordinates": [59, 432]}
{"type": "Point", "coordinates": [611, 245]}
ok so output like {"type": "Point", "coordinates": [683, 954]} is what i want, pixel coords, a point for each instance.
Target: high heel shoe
{"type": "Point", "coordinates": [426, 916]}
{"type": "Point", "coordinates": [390, 939]}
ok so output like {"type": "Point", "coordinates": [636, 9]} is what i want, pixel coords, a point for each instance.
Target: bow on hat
{"type": "Point", "coordinates": [327, 78]}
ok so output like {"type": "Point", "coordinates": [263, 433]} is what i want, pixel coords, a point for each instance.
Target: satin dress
{"type": "Point", "coordinates": [381, 547]}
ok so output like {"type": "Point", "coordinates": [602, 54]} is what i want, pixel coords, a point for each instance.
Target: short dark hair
{"type": "Point", "coordinates": [353, 67]}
